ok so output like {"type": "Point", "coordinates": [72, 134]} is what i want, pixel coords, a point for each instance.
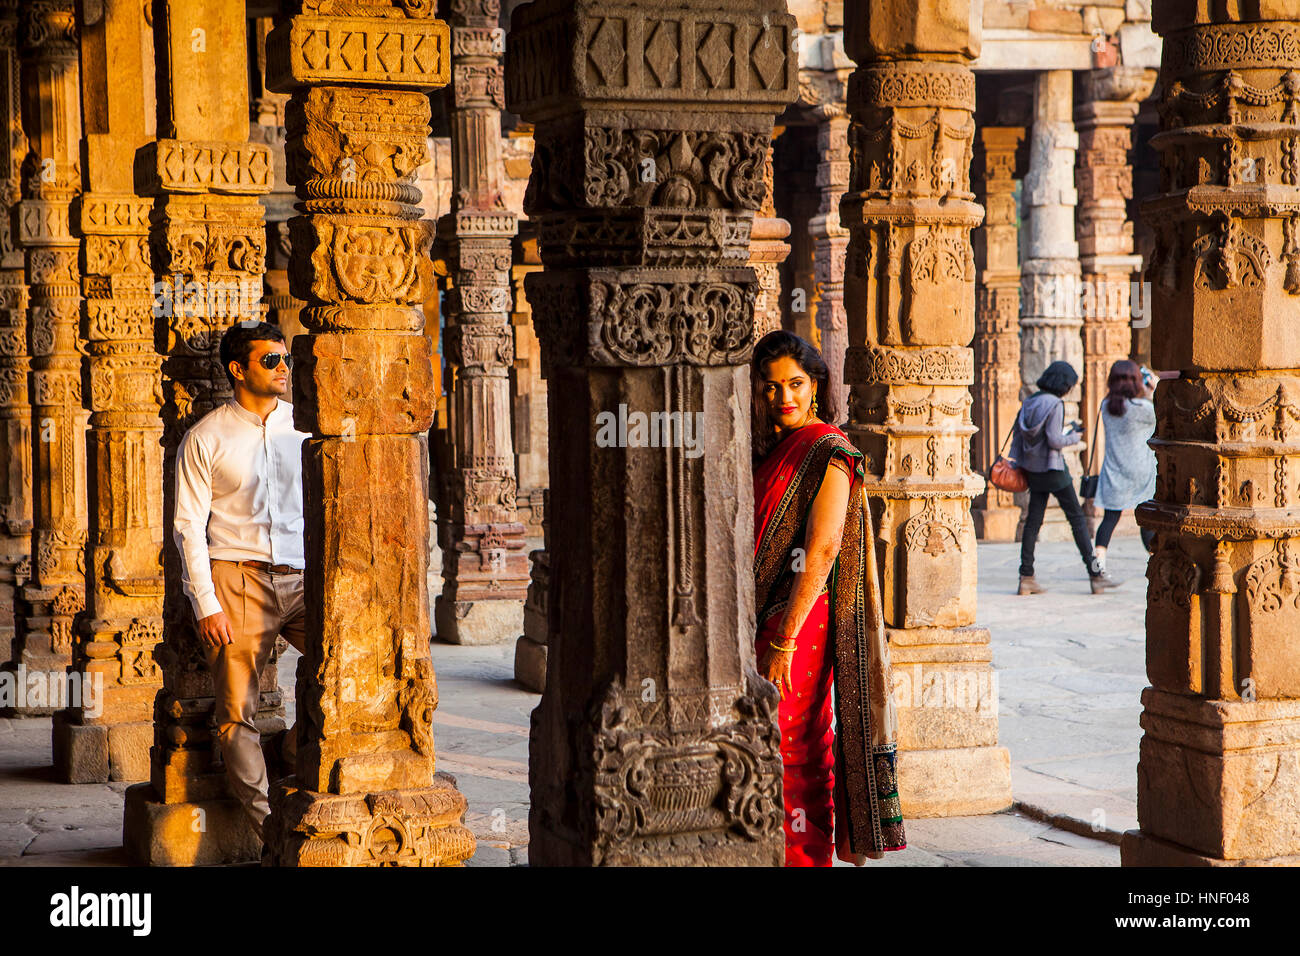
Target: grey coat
{"type": "Point", "coordinates": [1039, 434]}
{"type": "Point", "coordinates": [1128, 472]}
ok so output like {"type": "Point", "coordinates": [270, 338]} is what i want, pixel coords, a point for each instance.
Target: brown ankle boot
{"type": "Point", "coordinates": [1030, 586]}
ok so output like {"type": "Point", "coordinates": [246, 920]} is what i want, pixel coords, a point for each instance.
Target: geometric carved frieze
{"type": "Point", "coordinates": [651, 237]}
{"type": "Point", "coordinates": [211, 167]}
{"type": "Point", "coordinates": [358, 50]}
{"type": "Point", "coordinates": [111, 214]}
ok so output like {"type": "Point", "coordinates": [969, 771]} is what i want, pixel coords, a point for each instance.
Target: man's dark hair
{"type": "Point", "coordinates": [1058, 378]}
{"type": "Point", "coordinates": [237, 342]}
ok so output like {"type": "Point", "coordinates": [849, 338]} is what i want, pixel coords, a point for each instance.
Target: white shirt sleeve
{"type": "Point", "coordinates": [190, 528]}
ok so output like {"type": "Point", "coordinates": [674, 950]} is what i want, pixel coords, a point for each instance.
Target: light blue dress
{"type": "Point", "coordinates": [1128, 473]}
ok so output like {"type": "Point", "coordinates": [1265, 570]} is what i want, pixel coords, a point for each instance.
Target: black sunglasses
{"type": "Point", "coordinates": [271, 360]}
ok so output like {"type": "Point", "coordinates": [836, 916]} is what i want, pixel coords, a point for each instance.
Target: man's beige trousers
{"type": "Point", "coordinates": [260, 606]}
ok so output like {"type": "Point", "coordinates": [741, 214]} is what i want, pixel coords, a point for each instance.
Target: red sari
{"type": "Point", "coordinates": [840, 793]}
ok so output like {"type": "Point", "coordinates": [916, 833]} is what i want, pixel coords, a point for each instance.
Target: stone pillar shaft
{"type": "Point", "coordinates": [997, 325]}
{"type": "Point", "coordinates": [1219, 766]}
{"type": "Point", "coordinates": [830, 243]}
{"type": "Point", "coordinates": [485, 563]}
{"type": "Point", "coordinates": [208, 251]}
{"type": "Point", "coordinates": [115, 638]}
{"type": "Point", "coordinates": [365, 792]}
{"type": "Point", "coordinates": [767, 250]}
{"type": "Point", "coordinates": [15, 364]}
{"type": "Point", "coordinates": [909, 294]}
{"type": "Point", "coordinates": [654, 742]}
{"type": "Point", "coordinates": [51, 117]}
{"type": "Point", "coordinates": [1104, 113]}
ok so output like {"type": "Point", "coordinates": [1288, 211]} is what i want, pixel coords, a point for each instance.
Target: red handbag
{"type": "Point", "coordinates": [1005, 473]}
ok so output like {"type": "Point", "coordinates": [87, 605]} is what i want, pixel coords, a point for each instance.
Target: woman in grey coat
{"type": "Point", "coordinates": [1128, 471]}
{"type": "Point", "coordinates": [1037, 441]}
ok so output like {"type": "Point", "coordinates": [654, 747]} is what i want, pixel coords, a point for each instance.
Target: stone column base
{"type": "Point", "coordinates": [98, 753]}
{"type": "Point", "coordinates": [423, 827]}
{"type": "Point", "coordinates": [477, 622]}
{"type": "Point", "coordinates": [996, 524]}
{"type": "Point", "coordinates": [954, 783]}
{"type": "Point", "coordinates": [1141, 849]}
{"type": "Point", "coordinates": [197, 833]}
{"type": "Point", "coordinates": [530, 664]}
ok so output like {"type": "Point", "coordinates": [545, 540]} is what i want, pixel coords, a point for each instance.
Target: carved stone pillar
{"type": "Point", "coordinates": [208, 247]}
{"type": "Point", "coordinates": [997, 325]}
{"type": "Point", "coordinates": [365, 792]}
{"type": "Point", "coordinates": [830, 244]}
{"type": "Point", "coordinates": [767, 250]}
{"type": "Point", "coordinates": [115, 638]}
{"type": "Point", "coordinates": [15, 407]}
{"type": "Point", "coordinates": [1050, 323]}
{"type": "Point", "coordinates": [51, 116]}
{"type": "Point", "coordinates": [484, 562]}
{"type": "Point", "coordinates": [528, 396]}
{"type": "Point", "coordinates": [1104, 113]}
{"type": "Point", "coordinates": [654, 742]}
{"type": "Point", "coordinates": [1219, 767]}
{"type": "Point", "coordinates": [910, 297]}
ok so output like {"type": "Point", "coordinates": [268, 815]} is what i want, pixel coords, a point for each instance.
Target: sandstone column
{"type": "Point", "coordinates": [364, 792]}
{"type": "Point", "coordinates": [484, 562]}
{"type": "Point", "coordinates": [15, 407]}
{"type": "Point", "coordinates": [767, 250]}
{"type": "Point", "coordinates": [1050, 324]}
{"type": "Point", "coordinates": [51, 115]}
{"type": "Point", "coordinates": [116, 636]}
{"type": "Point", "coordinates": [208, 250]}
{"type": "Point", "coordinates": [654, 742]}
{"type": "Point", "coordinates": [1107, 106]}
{"type": "Point", "coordinates": [910, 298]}
{"type": "Point", "coordinates": [830, 243]}
{"type": "Point", "coordinates": [1219, 771]}
{"type": "Point", "coordinates": [997, 325]}
{"type": "Point", "coordinates": [531, 648]}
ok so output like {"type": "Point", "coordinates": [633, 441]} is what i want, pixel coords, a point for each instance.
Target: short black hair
{"type": "Point", "coordinates": [237, 341]}
{"type": "Point", "coordinates": [1058, 378]}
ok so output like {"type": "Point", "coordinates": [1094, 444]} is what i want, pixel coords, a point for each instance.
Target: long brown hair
{"type": "Point", "coordinates": [1124, 382]}
{"type": "Point", "coordinates": [777, 344]}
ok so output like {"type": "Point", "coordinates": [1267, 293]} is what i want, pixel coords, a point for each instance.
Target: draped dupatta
{"type": "Point", "coordinates": [868, 817]}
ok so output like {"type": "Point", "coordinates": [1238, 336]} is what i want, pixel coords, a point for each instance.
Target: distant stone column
{"type": "Point", "coordinates": [767, 250]}
{"type": "Point", "coordinates": [531, 648]}
{"type": "Point", "coordinates": [655, 740]}
{"type": "Point", "coordinates": [528, 396]}
{"type": "Point", "coordinates": [208, 246]}
{"type": "Point", "coordinates": [484, 564]}
{"type": "Point", "coordinates": [115, 638]}
{"type": "Point", "coordinates": [15, 363]}
{"type": "Point", "coordinates": [51, 116]}
{"type": "Point", "coordinates": [365, 791]}
{"type": "Point", "coordinates": [830, 245]}
{"type": "Point", "coordinates": [1218, 780]}
{"type": "Point", "coordinates": [1105, 108]}
{"type": "Point", "coordinates": [1050, 322]}
{"type": "Point", "coordinates": [910, 297]}
{"type": "Point", "coordinates": [996, 395]}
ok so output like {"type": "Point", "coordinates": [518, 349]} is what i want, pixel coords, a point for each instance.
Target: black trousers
{"type": "Point", "coordinates": [1107, 526]}
{"type": "Point", "coordinates": [1069, 502]}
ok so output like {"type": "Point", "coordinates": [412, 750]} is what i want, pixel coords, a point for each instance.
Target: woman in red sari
{"type": "Point", "coordinates": [820, 628]}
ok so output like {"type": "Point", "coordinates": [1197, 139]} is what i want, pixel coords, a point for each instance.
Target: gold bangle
{"type": "Point", "coordinates": [785, 648]}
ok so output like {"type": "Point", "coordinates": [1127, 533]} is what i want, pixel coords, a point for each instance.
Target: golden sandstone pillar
{"type": "Point", "coordinates": [484, 561]}
{"type": "Point", "coordinates": [51, 115]}
{"type": "Point", "coordinates": [767, 250]}
{"type": "Point", "coordinates": [1105, 109]}
{"type": "Point", "coordinates": [116, 636]}
{"type": "Point", "coordinates": [909, 292]}
{"type": "Point", "coordinates": [997, 325]}
{"type": "Point", "coordinates": [1219, 771]}
{"type": "Point", "coordinates": [655, 740]}
{"type": "Point", "coordinates": [830, 243]}
{"type": "Point", "coordinates": [15, 408]}
{"type": "Point", "coordinates": [208, 247]}
{"type": "Point", "coordinates": [365, 792]}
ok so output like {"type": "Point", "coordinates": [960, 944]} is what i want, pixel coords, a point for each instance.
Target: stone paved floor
{"type": "Point", "coordinates": [1070, 669]}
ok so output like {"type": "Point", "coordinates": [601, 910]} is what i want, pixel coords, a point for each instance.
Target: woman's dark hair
{"type": "Point", "coordinates": [1058, 378]}
{"type": "Point", "coordinates": [783, 344]}
{"type": "Point", "coordinates": [1124, 382]}
{"type": "Point", "coordinates": [237, 342]}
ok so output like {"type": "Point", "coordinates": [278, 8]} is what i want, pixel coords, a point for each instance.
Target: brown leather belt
{"type": "Point", "coordinates": [269, 568]}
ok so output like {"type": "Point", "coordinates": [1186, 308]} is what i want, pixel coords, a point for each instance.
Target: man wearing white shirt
{"type": "Point", "coordinates": [238, 526]}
